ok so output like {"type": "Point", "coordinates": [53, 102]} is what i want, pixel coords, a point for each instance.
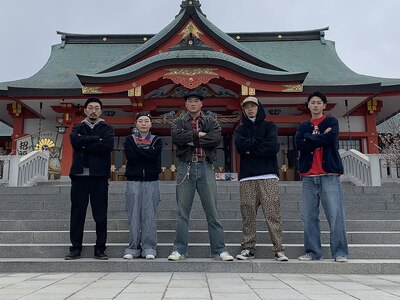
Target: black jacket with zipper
{"type": "Point", "coordinates": [257, 144]}
{"type": "Point", "coordinates": [92, 149]}
{"type": "Point", "coordinates": [143, 164]}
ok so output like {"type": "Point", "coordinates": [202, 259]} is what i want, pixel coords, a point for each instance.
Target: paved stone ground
{"type": "Point", "coordinates": [243, 286]}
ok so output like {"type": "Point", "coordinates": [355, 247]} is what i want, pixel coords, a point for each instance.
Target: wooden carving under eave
{"type": "Point", "coordinates": [223, 119]}
{"type": "Point", "coordinates": [91, 90]}
{"type": "Point", "coordinates": [292, 88]}
{"type": "Point", "coordinates": [191, 77]}
{"type": "Point", "coordinates": [190, 29]}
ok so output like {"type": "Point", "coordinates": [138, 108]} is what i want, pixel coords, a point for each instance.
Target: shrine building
{"type": "Point", "coordinates": [152, 72]}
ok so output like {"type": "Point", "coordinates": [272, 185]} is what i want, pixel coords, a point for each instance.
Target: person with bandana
{"type": "Point", "coordinates": [143, 154]}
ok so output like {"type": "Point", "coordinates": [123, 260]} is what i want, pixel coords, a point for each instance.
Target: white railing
{"type": "Point", "coordinates": [4, 168]}
{"type": "Point", "coordinates": [390, 172]}
{"type": "Point", "coordinates": [361, 169]}
{"type": "Point", "coordinates": [29, 169]}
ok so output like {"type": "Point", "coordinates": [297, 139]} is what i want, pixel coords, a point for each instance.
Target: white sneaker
{"type": "Point", "coordinates": [128, 256]}
{"type": "Point", "coordinates": [280, 256]}
{"type": "Point", "coordinates": [341, 259]}
{"type": "Point", "coordinates": [175, 256]}
{"type": "Point", "coordinates": [307, 257]}
{"type": "Point", "coordinates": [224, 256]}
{"type": "Point", "coordinates": [150, 256]}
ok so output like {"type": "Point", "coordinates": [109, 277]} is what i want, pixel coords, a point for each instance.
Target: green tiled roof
{"type": "Point", "coordinates": [194, 57]}
{"type": "Point", "coordinates": [65, 62]}
{"type": "Point", "coordinates": [267, 56]}
{"type": "Point", "coordinates": [319, 59]}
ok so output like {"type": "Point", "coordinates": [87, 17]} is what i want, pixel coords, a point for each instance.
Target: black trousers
{"type": "Point", "coordinates": [84, 188]}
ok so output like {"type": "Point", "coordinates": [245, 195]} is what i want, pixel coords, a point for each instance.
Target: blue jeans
{"type": "Point", "coordinates": [141, 203]}
{"type": "Point", "coordinates": [201, 177]}
{"type": "Point", "coordinates": [327, 190]}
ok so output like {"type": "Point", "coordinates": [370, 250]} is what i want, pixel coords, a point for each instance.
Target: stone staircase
{"type": "Point", "coordinates": [34, 232]}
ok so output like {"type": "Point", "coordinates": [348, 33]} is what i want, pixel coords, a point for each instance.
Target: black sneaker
{"type": "Point", "coordinates": [245, 254]}
{"type": "Point", "coordinates": [100, 255]}
{"type": "Point", "coordinates": [73, 254]}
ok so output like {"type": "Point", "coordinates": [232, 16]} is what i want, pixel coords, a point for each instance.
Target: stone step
{"type": "Point", "coordinates": [195, 236]}
{"type": "Point", "coordinates": [59, 265]}
{"type": "Point", "coordinates": [57, 204]}
{"type": "Point", "coordinates": [195, 224]}
{"type": "Point", "coordinates": [199, 250]}
{"type": "Point", "coordinates": [196, 214]}
{"type": "Point", "coordinates": [222, 187]}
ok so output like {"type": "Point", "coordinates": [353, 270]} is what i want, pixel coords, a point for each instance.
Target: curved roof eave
{"type": "Point", "coordinates": [192, 57]}
{"type": "Point", "coordinates": [150, 45]}
{"type": "Point", "coordinates": [175, 26]}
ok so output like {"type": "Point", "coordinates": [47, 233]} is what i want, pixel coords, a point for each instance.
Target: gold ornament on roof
{"type": "Point", "coordinates": [91, 90]}
{"type": "Point", "coordinates": [191, 29]}
{"type": "Point", "coordinates": [192, 71]}
{"type": "Point", "coordinates": [292, 88]}
{"type": "Point", "coordinates": [44, 144]}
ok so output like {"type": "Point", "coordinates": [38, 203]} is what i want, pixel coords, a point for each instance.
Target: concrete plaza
{"type": "Point", "coordinates": [243, 286]}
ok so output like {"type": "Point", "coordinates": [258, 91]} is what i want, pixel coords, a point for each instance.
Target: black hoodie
{"type": "Point", "coordinates": [257, 144]}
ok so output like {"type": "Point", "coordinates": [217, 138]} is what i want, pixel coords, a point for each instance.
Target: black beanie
{"type": "Point", "coordinates": [91, 100]}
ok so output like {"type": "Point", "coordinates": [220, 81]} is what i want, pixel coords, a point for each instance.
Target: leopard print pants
{"type": "Point", "coordinates": [264, 192]}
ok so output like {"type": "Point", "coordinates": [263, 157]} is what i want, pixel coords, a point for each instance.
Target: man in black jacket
{"type": "Point", "coordinates": [92, 141]}
{"type": "Point", "coordinates": [256, 141]}
{"type": "Point", "coordinates": [196, 136]}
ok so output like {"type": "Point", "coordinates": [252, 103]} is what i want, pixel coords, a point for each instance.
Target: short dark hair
{"type": "Point", "coordinates": [193, 94]}
{"type": "Point", "coordinates": [319, 95]}
{"type": "Point", "coordinates": [143, 113]}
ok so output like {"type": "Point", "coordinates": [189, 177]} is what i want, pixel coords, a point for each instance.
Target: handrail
{"type": "Point", "coordinates": [361, 169]}
{"type": "Point", "coordinates": [29, 169]}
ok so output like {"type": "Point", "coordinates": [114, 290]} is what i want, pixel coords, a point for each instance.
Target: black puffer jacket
{"type": "Point", "coordinates": [182, 133]}
{"type": "Point", "coordinates": [143, 164]}
{"type": "Point", "coordinates": [257, 144]}
{"type": "Point", "coordinates": [92, 149]}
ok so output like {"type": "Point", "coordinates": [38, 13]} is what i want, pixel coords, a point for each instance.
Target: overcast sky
{"type": "Point", "coordinates": [366, 32]}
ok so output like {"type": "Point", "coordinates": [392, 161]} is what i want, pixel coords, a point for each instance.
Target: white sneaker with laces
{"type": "Point", "coordinates": [150, 256]}
{"type": "Point", "coordinates": [224, 256]}
{"type": "Point", "coordinates": [128, 256]}
{"type": "Point", "coordinates": [280, 256]}
{"type": "Point", "coordinates": [175, 256]}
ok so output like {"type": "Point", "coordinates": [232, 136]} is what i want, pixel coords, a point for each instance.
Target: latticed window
{"type": "Point", "coordinates": [350, 144]}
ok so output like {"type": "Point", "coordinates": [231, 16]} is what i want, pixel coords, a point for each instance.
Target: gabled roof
{"type": "Point", "coordinates": [295, 52]}
{"type": "Point", "coordinates": [191, 10]}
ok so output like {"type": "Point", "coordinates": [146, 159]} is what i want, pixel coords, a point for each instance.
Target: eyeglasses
{"type": "Point", "coordinates": [96, 108]}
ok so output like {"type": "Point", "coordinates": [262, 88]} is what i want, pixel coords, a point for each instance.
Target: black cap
{"type": "Point", "coordinates": [91, 100]}
{"type": "Point", "coordinates": [193, 94]}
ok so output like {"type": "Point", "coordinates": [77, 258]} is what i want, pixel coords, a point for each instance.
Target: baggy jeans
{"type": "Point", "coordinates": [327, 190]}
{"type": "Point", "coordinates": [201, 177]}
{"type": "Point", "coordinates": [141, 203]}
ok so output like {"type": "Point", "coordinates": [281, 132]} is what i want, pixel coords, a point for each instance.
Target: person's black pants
{"type": "Point", "coordinates": [84, 188]}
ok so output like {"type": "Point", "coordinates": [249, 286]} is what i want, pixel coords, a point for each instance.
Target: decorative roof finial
{"type": "Point", "coordinates": [186, 3]}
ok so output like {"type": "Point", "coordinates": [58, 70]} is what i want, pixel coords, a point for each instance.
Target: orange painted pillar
{"type": "Point", "coordinates": [18, 132]}
{"type": "Point", "coordinates": [67, 152]}
{"type": "Point", "coordinates": [372, 139]}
